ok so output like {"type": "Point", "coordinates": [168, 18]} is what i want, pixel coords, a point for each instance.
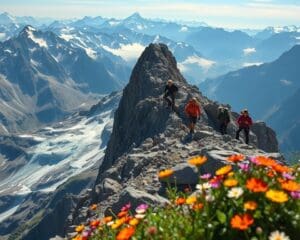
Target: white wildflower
{"type": "Point", "coordinates": [235, 192]}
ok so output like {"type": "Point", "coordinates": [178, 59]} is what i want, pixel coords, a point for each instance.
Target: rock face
{"type": "Point", "coordinates": [148, 137]}
{"type": "Point", "coordinates": [141, 113]}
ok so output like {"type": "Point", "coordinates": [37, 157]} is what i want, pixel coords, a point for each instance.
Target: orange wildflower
{"type": "Point", "coordinates": [236, 158]}
{"type": "Point", "coordinates": [250, 205]}
{"type": "Point", "coordinates": [277, 196]}
{"type": "Point", "coordinates": [197, 206]}
{"type": "Point", "coordinates": [265, 161]}
{"type": "Point", "coordinates": [270, 173]}
{"type": "Point", "coordinates": [280, 180]}
{"type": "Point", "coordinates": [230, 182]}
{"type": "Point", "coordinates": [79, 228]}
{"type": "Point", "coordinates": [256, 185]}
{"type": "Point", "coordinates": [119, 222]}
{"type": "Point", "coordinates": [165, 173]}
{"type": "Point", "coordinates": [191, 200]}
{"type": "Point", "coordinates": [93, 207]}
{"type": "Point", "coordinates": [107, 219]}
{"type": "Point", "coordinates": [180, 201]}
{"type": "Point", "coordinates": [242, 222]}
{"type": "Point", "coordinates": [197, 161]}
{"type": "Point", "coordinates": [95, 223]}
{"type": "Point", "coordinates": [290, 186]}
{"type": "Point", "coordinates": [122, 214]}
{"type": "Point", "coordinates": [126, 233]}
{"type": "Point", "coordinates": [281, 168]}
{"type": "Point", "coordinates": [224, 170]}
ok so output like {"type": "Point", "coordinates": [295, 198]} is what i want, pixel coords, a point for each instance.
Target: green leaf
{"type": "Point", "coordinates": [221, 217]}
{"type": "Point", "coordinates": [257, 214]}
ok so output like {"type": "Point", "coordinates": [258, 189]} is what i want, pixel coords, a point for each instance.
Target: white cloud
{"type": "Point", "coordinates": [249, 64]}
{"type": "Point", "coordinates": [249, 51]}
{"type": "Point", "coordinates": [203, 63]}
{"type": "Point", "coordinates": [184, 29]}
{"type": "Point", "coordinates": [286, 82]}
{"type": "Point", "coordinates": [128, 52]}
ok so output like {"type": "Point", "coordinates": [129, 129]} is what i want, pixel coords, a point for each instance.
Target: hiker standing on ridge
{"type": "Point", "coordinates": [244, 121]}
{"type": "Point", "coordinates": [170, 91]}
{"type": "Point", "coordinates": [192, 110]}
{"type": "Point", "coordinates": [224, 119]}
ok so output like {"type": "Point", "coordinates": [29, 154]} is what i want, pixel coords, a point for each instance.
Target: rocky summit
{"type": "Point", "coordinates": [148, 137]}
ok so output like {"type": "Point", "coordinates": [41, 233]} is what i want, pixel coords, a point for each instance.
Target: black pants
{"type": "Point", "coordinates": [170, 98]}
{"type": "Point", "coordinates": [246, 131]}
{"type": "Point", "coordinates": [223, 128]}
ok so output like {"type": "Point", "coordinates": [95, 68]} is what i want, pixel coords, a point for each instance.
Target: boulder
{"type": "Point", "coordinates": [136, 197]}
{"type": "Point", "coordinates": [184, 174]}
{"type": "Point", "coordinates": [266, 137]}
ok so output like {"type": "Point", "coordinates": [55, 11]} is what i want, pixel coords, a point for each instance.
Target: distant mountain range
{"type": "Point", "coordinates": [43, 77]}
{"type": "Point", "coordinates": [270, 91]}
{"type": "Point", "coordinates": [217, 51]}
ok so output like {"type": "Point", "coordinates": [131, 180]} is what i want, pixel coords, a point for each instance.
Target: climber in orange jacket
{"type": "Point", "coordinates": [192, 110]}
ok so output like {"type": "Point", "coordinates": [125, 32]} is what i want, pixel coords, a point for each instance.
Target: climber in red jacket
{"type": "Point", "coordinates": [192, 110]}
{"type": "Point", "coordinates": [244, 121]}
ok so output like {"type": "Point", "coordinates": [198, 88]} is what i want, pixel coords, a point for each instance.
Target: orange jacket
{"type": "Point", "coordinates": [192, 109]}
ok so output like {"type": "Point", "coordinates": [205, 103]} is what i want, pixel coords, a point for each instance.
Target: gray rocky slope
{"type": "Point", "coordinates": [147, 137]}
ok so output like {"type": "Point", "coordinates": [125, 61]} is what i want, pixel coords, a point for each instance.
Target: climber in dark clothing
{"type": "Point", "coordinates": [244, 121]}
{"type": "Point", "coordinates": [170, 91]}
{"type": "Point", "coordinates": [224, 119]}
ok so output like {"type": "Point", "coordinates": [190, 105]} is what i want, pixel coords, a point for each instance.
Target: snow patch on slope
{"type": "Point", "coordinates": [91, 53]}
{"type": "Point", "coordinates": [61, 154]}
{"type": "Point", "coordinates": [2, 36]}
{"type": "Point", "coordinates": [8, 213]}
{"type": "Point", "coordinates": [41, 42]}
{"type": "Point", "coordinates": [66, 37]}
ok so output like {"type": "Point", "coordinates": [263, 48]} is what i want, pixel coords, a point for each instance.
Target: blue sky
{"type": "Point", "coordinates": [225, 13]}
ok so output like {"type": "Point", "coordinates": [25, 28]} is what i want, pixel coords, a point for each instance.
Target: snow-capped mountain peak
{"type": "Point", "coordinates": [31, 33]}
{"type": "Point", "coordinates": [6, 18]}
{"type": "Point", "coordinates": [135, 16]}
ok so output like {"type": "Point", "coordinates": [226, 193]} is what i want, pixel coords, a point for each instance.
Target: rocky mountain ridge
{"type": "Point", "coordinates": [147, 138]}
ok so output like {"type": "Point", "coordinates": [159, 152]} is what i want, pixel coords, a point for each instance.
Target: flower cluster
{"type": "Point", "coordinates": [247, 198]}
{"type": "Point", "coordinates": [120, 227]}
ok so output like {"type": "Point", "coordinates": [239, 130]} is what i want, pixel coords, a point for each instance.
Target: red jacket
{"type": "Point", "coordinates": [244, 121]}
{"type": "Point", "coordinates": [192, 109]}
